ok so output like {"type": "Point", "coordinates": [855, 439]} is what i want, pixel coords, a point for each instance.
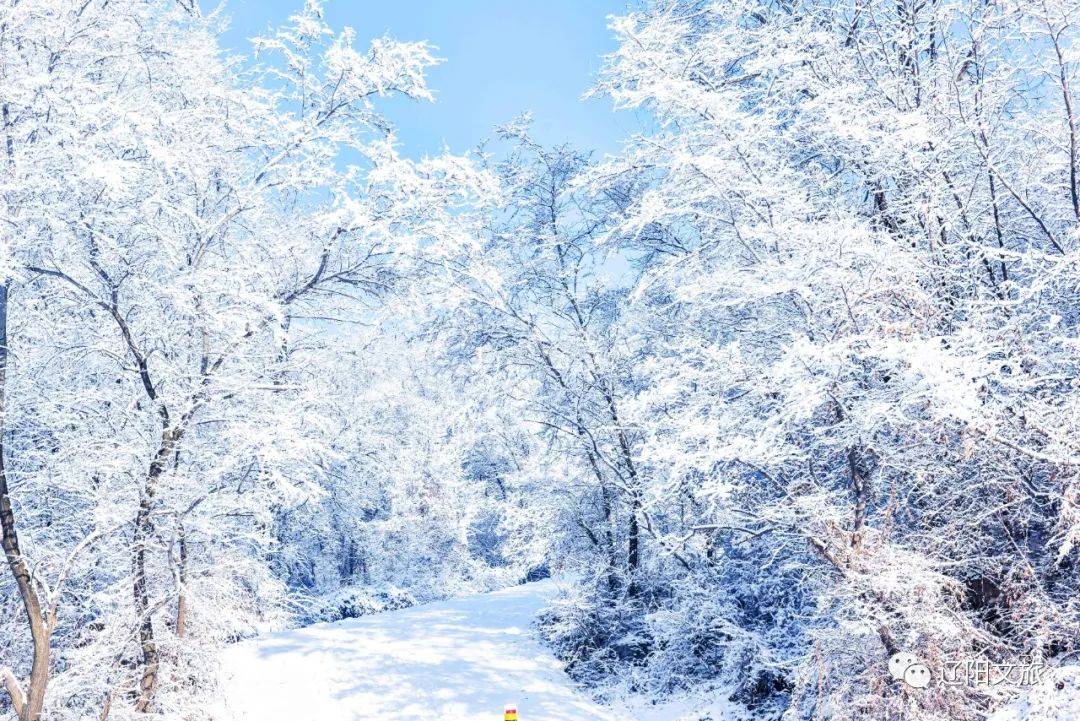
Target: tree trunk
{"type": "Point", "coordinates": [610, 547]}
{"type": "Point", "coordinates": [633, 534]}
{"type": "Point", "coordinates": [633, 548]}
{"type": "Point", "coordinates": [143, 532]}
{"type": "Point", "coordinates": [28, 703]}
{"type": "Point", "coordinates": [860, 485]}
{"type": "Point", "coordinates": [181, 597]}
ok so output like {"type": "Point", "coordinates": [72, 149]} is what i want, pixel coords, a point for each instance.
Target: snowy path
{"type": "Point", "coordinates": [458, 660]}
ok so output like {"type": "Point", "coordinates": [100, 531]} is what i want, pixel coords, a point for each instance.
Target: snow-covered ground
{"type": "Point", "coordinates": [1057, 698]}
{"type": "Point", "coordinates": [458, 660]}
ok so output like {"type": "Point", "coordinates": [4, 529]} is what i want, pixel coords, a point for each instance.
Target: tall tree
{"type": "Point", "coordinates": [176, 225]}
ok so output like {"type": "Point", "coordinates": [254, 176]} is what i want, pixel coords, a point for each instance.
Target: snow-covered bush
{"type": "Point", "coordinates": [596, 638]}
{"type": "Point", "coordinates": [354, 602]}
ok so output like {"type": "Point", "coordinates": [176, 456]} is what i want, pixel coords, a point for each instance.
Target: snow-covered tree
{"type": "Point", "coordinates": [855, 231]}
{"type": "Point", "coordinates": [173, 223]}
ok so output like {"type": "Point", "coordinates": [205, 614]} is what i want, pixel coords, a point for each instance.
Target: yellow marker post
{"type": "Point", "coordinates": [510, 714]}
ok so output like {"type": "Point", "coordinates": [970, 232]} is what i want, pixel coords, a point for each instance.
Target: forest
{"type": "Point", "coordinates": [789, 386]}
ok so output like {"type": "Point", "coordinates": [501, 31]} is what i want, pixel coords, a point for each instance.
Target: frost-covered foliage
{"type": "Point", "coordinates": [787, 385]}
{"type": "Point", "coordinates": [184, 242]}
{"type": "Point", "coordinates": [402, 504]}
{"type": "Point", "coordinates": [355, 602]}
{"type": "Point", "coordinates": [825, 411]}
{"type": "Point", "coordinates": [854, 336]}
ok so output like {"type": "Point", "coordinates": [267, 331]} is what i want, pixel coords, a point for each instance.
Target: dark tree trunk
{"type": "Point", "coordinates": [28, 703]}
{"type": "Point", "coordinates": [181, 592]}
{"type": "Point", "coordinates": [151, 660]}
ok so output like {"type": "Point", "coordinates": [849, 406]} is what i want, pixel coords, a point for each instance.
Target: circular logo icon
{"type": "Point", "coordinates": [907, 667]}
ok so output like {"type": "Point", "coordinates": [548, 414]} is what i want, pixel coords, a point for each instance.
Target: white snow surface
{"type": "Point", "coordinates": [457, 660]}
{"type": "Point", "coordinates": [1057, 698]}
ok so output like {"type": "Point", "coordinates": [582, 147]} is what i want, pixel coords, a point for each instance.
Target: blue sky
{"type": "Point", "coordinates": [502, 57]}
